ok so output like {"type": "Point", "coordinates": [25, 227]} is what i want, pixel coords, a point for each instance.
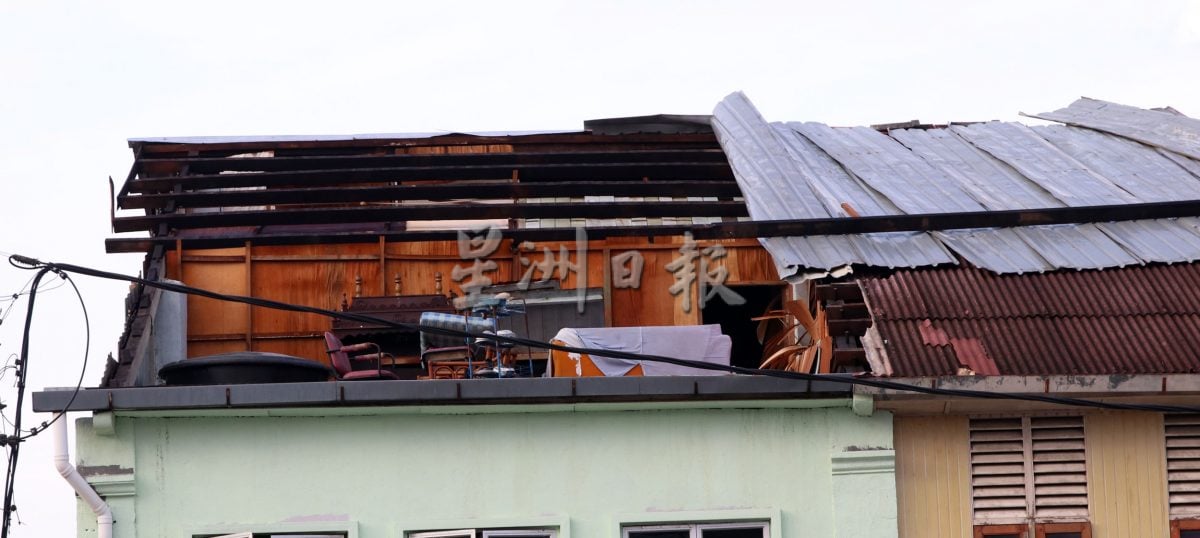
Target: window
{"type": "Point", "coordinates": [1183, 464]}
{"type": "Point", "coordinates": [1064, 530]}
{"type": "Point", "coordinates": [1002, 531]}
{"type": "Point", "coordinates": [699, 530]}
{"type": "Point", "coordinates": [1026, 470]}
{"type": "Point", "coordinates": [1185, 528]}
{"type": "Point", "coordinates": [281, 535]}
{"type": "Point", "coordinates": [1183, 473]}
{"type": "Point", "coordinates": [488, 533]}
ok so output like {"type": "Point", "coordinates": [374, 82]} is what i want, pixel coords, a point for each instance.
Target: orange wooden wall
{"type": "Point", "coordinates": [322, 275]}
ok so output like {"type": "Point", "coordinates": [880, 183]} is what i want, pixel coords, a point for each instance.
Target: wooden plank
{"type": "Point", "coordinates": [1004, 457]}
{"type": "Point", "coordinates": [212, 316]}
{"type": "Point", "coordinates": [1014, 446]}
{"type": "Point", "coordinates": [249, 308]}
{"type": "Point", "coordinates": [211, 165]}
{"type": "Point", "coordinates": [477, 190]}
{"type": "Point", "coordinates": [999, 480]}
{"type": "Point", "coordinates": [997, 469]}
{"type": "Point", "coordinates": [1053, 467]}
{"type": "Point", "coordinates": [658, 171]}
{"type": "Point", "coordinates": [1002, 491]}
{"type": "Point", "coordinates": [398, 213]}
{"type": "Point", "coordinates": [995, 435]}
{"type": "Point", "coordinates": [1069, 489]}
{"type": "Point", "coordinates": [441, 144]}
{"type": "Point", "coordinates": [1050, 457]}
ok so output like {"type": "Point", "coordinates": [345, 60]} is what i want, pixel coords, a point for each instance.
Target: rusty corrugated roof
{"type": "Point", "coordinates": [1142, 319]}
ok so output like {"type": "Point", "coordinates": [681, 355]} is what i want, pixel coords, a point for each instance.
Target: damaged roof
{"type": "Point", "coordinates": [1111, 155]}
{"type": "Point", "coordinates": [1135, 320]}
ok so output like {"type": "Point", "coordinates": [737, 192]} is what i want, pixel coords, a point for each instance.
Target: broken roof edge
{"type": "Point", "coordinates": [651, 124]}
{"type": "Point", "coordinates": [335, 138]}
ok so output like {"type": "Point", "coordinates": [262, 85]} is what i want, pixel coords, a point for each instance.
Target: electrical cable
{"type": "Point", "coordinates": [863, 381]}
{"type": "Point", "coordinates": [87, 345]}
{"type": "Point", "coordinates": [13, 441]}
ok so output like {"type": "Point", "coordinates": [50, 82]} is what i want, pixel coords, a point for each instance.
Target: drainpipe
{"type": "Point", "coordinates": [62, 461]}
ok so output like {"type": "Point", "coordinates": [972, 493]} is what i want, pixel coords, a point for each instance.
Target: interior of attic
{"type": "Point", "coordinates": [1066, 246]}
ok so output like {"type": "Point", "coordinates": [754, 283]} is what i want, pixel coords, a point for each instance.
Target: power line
{"type": "Point", "coordinates": [864, 381]}
{"type": "Point", "coordinates": [13, 442]}
{"type": "Point", "coordinates": [61, 269]}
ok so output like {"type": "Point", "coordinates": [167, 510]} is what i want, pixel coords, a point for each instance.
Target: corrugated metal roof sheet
{"type": "Point", "coordinates": [997, 186]}
{"type": "Point", "coordinates": [1167, 130]}
{"type": "Point", "coordinates": [808, 170]}
{"type": "Point", "coordinates": [778, 186]}
{"type": "Point", "coordinates": [1142, 319]}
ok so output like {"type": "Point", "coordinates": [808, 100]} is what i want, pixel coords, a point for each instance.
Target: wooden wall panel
{"type": "Point", "coordinates": [751, 264]}
{"type": "Point", "coordinates": [320, 284]}
{"type": "Point", "coordinates": [933, 478]}
{"type": "Point", "coordinates": [200, 349]}
{"type": "Point", "coordinates": [418, 264]}
{"type": "Point", "coordinates": [652, 303]}
{"type": "Point", "coordinates": [320, 275]}
{"type": "Point", "coordinates": [1127, 477]}
{"type": "Point", "coordinates": [305, 347]}
{"type": "Point", "coordinates": [210, 316]}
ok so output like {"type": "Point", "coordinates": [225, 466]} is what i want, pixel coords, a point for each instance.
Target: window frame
{"type": "Point", "coordinates": [695, 529]}
{"type": "Point", "coordinates": [548, 532]}
{"type": "Point", "coordinates": [1084, 528]}
{"type": "Point", "coordinates": [269, 534]}
{"type": "Point", "coordinates": [984, 531]}
{"type": "Point", "coordinates": [1032, 521]}
{"type": "Point", "coordinates": [1179, 525]}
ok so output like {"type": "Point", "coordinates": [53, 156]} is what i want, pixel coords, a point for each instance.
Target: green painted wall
{"type": "Point", "coordinates": [817, 472]}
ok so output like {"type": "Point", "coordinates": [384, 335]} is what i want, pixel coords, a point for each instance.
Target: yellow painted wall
{"type": "Point", "coordinates": [1127, 492]}
{"type": "Point", "coordinates": [933, 482]}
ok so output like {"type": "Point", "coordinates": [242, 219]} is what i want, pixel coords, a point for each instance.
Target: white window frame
{"type": "Point", "coordinates": [696, 530]}
{"type": "Point", "coordinates": [297, 534]}
{"type": "Point", "coordinates": [546, 532]}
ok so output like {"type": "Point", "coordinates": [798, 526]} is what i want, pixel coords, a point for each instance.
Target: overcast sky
{"type": "Point", "coordinates": [78, 79]}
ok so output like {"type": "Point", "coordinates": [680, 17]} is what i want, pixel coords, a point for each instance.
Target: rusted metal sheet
{"type": "Point", "coordinates": [1118, 321]}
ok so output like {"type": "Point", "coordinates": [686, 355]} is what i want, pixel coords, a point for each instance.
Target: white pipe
{"type": "Point", "coordinates": [62, 462]}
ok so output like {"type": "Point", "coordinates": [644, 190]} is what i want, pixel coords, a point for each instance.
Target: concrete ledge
{"type": "Point", "coordinates": [864, 462]}
{"type": "Point", "coordinates": [599, 387]}
{"type": "Point", "coordinates": [441, 392]}
{"type": "Point", "coordinates": [1073, 385]}
{"type": "Point", "coordinates": [750, 385]}
{"type": "Point", "coordinates": [508, 389]}
{"type": "Point", "coordinates": [307, 393]}
{"type": "Point", "coordinates": [387, 391]}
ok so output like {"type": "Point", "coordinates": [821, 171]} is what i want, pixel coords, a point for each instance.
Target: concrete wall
{"type": "Point", "coordinates": [381, 472]}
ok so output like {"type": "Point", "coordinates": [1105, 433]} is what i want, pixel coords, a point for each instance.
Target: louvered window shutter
{"type": "Point", "coordinates": [1028, 467]}
{"type": "Point", "coordinates": [998, 469]}
{"type": "Point", "coordinates": [1183, 464]}
{"type": "Point", "coordinates": [1059, 469]}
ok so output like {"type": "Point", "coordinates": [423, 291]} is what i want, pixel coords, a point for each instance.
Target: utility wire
{"type": "Point", "coordinates": [14, 445]}
{"type": "Point", "coordinates": [13, 442]}
{"type": "Point", "coordinates": [863, 381]}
